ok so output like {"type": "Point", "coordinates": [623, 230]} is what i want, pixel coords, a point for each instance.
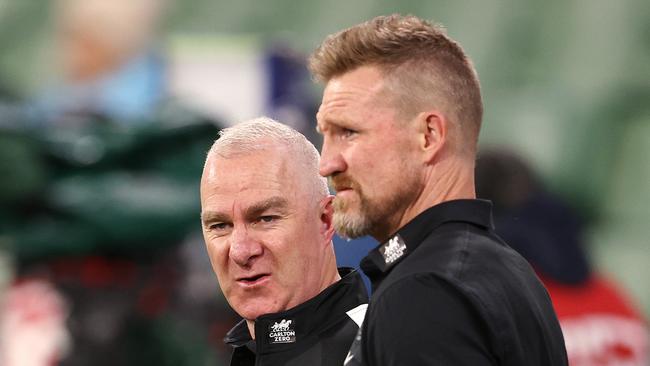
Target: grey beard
{"type": "Point", "coordinates": [351, 226]}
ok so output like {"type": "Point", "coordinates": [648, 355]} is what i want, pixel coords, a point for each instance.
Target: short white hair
{"type": "Point", "coordinates": [246, 137]}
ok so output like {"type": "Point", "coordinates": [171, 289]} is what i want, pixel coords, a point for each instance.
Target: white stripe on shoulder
{"type": "Point", "coordinates": [357, 314]}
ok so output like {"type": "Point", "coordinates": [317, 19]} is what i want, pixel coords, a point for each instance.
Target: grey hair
{"type": "Point", "coordinates": [256, 134]}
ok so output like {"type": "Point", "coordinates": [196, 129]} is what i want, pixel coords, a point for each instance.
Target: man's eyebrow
{"type": "Point", "coordinates": [214, 216]}
{"type": "Point", "coordinates": [333, 123]}
{"type": "Point", "coordinates": [275, 202]}
{"type": "Point", "coordinates": [252, 211]}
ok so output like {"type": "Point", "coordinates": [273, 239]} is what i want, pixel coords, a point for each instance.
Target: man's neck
{"type": "Point", "coordinates": [251, 327]}
{"type": "Point", "coordinates": [446, 181]}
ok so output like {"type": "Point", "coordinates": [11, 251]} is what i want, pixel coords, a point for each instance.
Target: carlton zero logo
{"type": "Point", "coordinates": [282, 332]}
{"type": "Point", "coordinates": [393, 250]}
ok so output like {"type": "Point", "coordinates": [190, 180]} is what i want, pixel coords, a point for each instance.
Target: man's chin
{"type": "Point", "coordinates": [254, 312]}
{"type": "Point", "coordinates": [251, 306]}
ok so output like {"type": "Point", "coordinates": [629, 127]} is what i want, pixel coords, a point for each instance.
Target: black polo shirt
{"type": "Point", "coordinates": [317, 332]}
{"type": "Point", "coordinates": [448, 291]}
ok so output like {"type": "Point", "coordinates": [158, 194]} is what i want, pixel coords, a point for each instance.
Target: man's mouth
{"type": "Point", "coordinates": [254, 279]}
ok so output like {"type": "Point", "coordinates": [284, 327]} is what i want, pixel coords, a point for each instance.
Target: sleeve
{"type": "Point", "coordinates": [423, 320]}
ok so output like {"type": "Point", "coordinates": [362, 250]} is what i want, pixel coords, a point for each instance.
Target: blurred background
{"type": "Point", "coordinates": [108, 107]}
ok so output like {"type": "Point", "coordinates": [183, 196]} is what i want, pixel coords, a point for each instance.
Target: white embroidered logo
{"type": "Point", "coordinates": [282, 326]}
{"type": "Point", "coordinates": [393, 250]}
{"type": "Point", "coordinates": [282, 332]}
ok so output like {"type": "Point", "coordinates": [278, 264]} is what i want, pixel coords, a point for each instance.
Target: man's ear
{"type": "Point", "coordinates": [326, 217]}
{"type": "Point", "coordinates": [432, 126]}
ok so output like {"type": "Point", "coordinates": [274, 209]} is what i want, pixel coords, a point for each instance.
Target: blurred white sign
{"type": "Point", "coordinates": [221, 76]}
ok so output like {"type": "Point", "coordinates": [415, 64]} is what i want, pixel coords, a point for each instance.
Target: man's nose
{"type": "Point", "coordinates": [331, 160]}
{"type": "Point", "coordinates": [244, 248]}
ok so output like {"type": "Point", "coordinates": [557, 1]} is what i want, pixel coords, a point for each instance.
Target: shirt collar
{"type": "Point", "coordinates": [381, 259]}
{"type": "Point", "coordinates": [280, 331]}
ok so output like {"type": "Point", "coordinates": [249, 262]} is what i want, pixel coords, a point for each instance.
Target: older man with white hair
{"type": "Point", "coordinates": [267, 223]}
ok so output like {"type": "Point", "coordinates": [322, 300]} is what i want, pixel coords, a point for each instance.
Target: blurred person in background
{"type": "Point", "coordinates": [400, 119]}
{"type": "Point", "coordinates": [108, 60]}
{"type": "Point", "coordinates": [267, 223]}
{"type": "Point", "coordinates": [290, 95]}
{"type": "Point", "coordinates": [99, 201]}
{"type": "Point", "coordinates": [601, 324]}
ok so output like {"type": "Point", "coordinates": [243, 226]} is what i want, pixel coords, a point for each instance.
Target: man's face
{"type": "Point", "coordinates": [367, 154]}
{"type": "Point", "coordinates": [263, 230]}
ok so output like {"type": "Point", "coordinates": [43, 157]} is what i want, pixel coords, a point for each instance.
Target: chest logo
{"type": "Point", "coordinates": [393, 250]}
{"type": "Point", "coordinates": [282, 332]}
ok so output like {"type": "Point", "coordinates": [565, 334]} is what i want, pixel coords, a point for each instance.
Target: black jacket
{"type": "Point", "coordinates": [317, 332]}
{"type": "Point", "coordinates": [448, 291]}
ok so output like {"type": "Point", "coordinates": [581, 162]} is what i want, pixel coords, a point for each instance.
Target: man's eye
{"type": "Point", "coordinates": [267, 218]}
{"type": "Point", "coordinates": [346, 132]}
{"type": "Point", "coordinates": [219, 226]}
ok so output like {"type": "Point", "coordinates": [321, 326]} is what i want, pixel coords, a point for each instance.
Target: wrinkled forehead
{"type": "Point", "coordinates": [277, 169]}
{"type": "Point", "coordinates": [238, 164]}
{"type": "Point", "coordinates": [363, 83]}
{"type": "Point", "coordinates": [355, 94]}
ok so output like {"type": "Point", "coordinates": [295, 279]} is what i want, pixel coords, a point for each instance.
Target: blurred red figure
{"type": "Point", "coordinates": [32, 325]}
{"type": "Point", "coordinates": [600, 323]}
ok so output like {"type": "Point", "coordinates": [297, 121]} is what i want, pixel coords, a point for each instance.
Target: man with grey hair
{"type": "Point", "coordinates": [267, 223]}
